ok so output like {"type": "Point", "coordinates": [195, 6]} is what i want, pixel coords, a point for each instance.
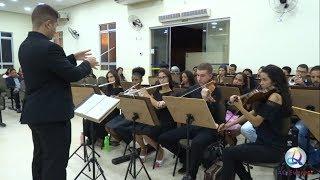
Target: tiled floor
{"type": "Point", "coordinates": [16, 154]}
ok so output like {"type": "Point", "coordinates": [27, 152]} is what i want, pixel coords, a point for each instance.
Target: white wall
{"type": "Point", "coordinates": [19, 25]}
{"type": "Point", "coordinates": [256, 36]}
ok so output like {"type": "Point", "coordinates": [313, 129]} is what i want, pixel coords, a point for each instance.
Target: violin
{"type": "Point", "coordinates": [257, 95]}
{"type": "Point", "coordinates": [210, 86]}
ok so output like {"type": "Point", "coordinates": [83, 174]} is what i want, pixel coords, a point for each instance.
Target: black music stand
{"type": "Point", "coordinates": [137, 109]}
{"type": "Point", "coordinates": [190, 111]}
{"type": "Point", "coordinates": [92, 160]}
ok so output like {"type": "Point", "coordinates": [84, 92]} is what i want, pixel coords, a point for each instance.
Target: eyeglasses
{"type": "Point", "coordinates": [162, 77]}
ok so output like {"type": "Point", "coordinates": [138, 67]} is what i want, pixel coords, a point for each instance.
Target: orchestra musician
{"type": "Point", "coordinates": [270, 118]}
{"type": "Point", "coordinates": [201, 137]}
{"type": "Point", "coordinates": [150, 134]}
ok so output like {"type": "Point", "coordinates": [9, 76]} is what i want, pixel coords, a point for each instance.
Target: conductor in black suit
{"type": "Point", "coordinates": [48, 106]}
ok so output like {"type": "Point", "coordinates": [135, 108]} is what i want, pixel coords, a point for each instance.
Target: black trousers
{"type": "Point", "coordinates": [51, 150]}
{"type": "Point", "coordinates": [233, 157]}
{"type": "Point", "coordinates": [201, 139]}
{"type": "Point", "coordinates": [16, 98]}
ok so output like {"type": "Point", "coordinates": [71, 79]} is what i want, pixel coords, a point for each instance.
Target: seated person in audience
{"type": "Point", "coordinates": [315, 76]}
{"type": "Point", "coordinates": [122, 129]}
{"type": "Point", "coordinates": [257, 76]}
{"type": "Point", "coordinates": [175, 70]}
{"type": "Point", "coordinates": [313, 148]}
{"type": "Point", "coordinates": [150, 134]}
{"type": "Point", "coordinates": [20, 73]}
{"type": "Point", "coordinates": [201, 137]}
{"type": "Point", "coordinates": [13, 83]}
{"type": "Point", "coordinates": [187, 79]}
{"type": "Point", "coordinates": [286, 70]}
{"type": "Point", "coordinates": [241, 80]}
{"type": "Point", "coordinates": [252, 82]}
{"type": "Point", "coordinates": [232, 69]}
{"type": "Point", "coordinates": [195, 71]}
{"type": "Point", "coordinates": [120, 73]}
{"type": "Point", "coordinates": [222, 73]}
{"type": "Point", "coordinates": [300, 79]}
{"type": "Point", "coordinates": [6, 74]}
{"type": "Point", "coordinates": [271, 119]}
{"type": "Point", "coordinates": [111, 90]}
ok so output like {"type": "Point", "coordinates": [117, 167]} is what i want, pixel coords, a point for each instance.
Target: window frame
{"type": "Point", "coordinates": [2, 64]}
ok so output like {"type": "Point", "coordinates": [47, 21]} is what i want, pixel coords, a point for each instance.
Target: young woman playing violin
{"type": "Point", "coordinates": [148, 133]}
{"type": "Point", "coordinates": [270, 119]}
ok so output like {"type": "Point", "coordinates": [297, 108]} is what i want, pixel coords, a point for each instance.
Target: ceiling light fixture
{"type": "Point", "coordinates": [27, 8]}
{"type": "Point", "coordinates": [220, 29]}
{"type": "Point", "coordinates": [2, 4]}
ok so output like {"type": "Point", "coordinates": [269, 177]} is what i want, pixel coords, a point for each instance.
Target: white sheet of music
{"type": "Point", "coordinates": [103, 108]}
{"type": "Point", "coordinates": [89, 104]}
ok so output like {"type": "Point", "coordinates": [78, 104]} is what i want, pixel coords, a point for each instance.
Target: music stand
{"type": "Point", "coordinates": [227, 91]}
{"type": "Point", "coordinates": [190, 111]}
{"type": "Point", "coordinates": [92, 160]}
{"type": "Point", "coordinates": [79, 94]}
{"type": "Point", "coordinates": [137, 109]}
{"type": "Point", "coordinates": [312, 120]}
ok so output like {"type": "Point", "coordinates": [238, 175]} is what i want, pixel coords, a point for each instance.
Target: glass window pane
{"type": "Point", "coordinates": [112, 25]}
{"type": "Point", "coordinates": [103, 27]}
{"type": "Point", "coordinates": [112, 67]}
{"type": "Point", "coordinates": [7, 66]}
{"type": "Point", "coordinates": [6, 34]}
{"type": "Point", "coordinates": [104, 38]}
{"type": "Point", "coordinates": [104, 67]}
{"type": "Point", "coordinates": [159, 46]}
{"type": "Point", "coordinates": [6, 49]}
{"type": "Point", "coordinates": [112, 47]}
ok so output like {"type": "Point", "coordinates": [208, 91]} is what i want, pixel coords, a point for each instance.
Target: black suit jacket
{"type": "Point", "coordinates": [47, 74]}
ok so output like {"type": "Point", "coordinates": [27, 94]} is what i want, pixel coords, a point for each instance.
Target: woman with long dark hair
{"type": "Point", "coordinates": [110, 90]}
{"type": "Point", "coordinates": [148, 133]}
{"type": "Point", "coordinates": [270, 119]}
{"type": "Point", "coordinates": [187, 79]}
{"type": "Point", "coordinates": [120, 73]}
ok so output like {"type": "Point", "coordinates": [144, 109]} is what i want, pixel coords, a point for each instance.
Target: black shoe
{"type": "Point", "coordinates": [182, 170]}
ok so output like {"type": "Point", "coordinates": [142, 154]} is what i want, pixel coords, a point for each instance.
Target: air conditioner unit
{"type": "Point", "coordinates": [185, 15]}
{"type": "Point", "coordinates": [63, 16]}
{"type": "Point", "coordinates": [128, 2]}
{"type": "Point", "coordinates": [196, 14]}
{"type": "Point", "coordinates": [169, 17]}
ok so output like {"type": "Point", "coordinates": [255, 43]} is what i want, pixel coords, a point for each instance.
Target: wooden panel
{"type": "Point", "coordinates": [311, 119]}
{"type": "Point", "coordinates": [304, 97]}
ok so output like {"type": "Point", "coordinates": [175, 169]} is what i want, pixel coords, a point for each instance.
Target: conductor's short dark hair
{"type": "Point", "coordinates": [43, 13]}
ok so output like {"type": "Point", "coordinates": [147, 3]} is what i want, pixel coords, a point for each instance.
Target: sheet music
{"type": "Point", "coordinates": [89, 104]}
{"type": "Point", "coordinates": [103, 108]}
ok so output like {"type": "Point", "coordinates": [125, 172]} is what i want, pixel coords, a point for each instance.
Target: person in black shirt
{"type": "Point", "coordinates": [271, 120]}
{"type": "Point", "coordinates": [201, 137]}
{"type": "Point", "coordinates": [187, 79]}
{"type": "Point", "coordinates": [99, 128]}
{"type": "Point", "coordinates": [151, 133]}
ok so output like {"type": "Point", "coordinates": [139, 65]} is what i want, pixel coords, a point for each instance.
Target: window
{"type": "Point", "coordinates": [108, 46]}
{"type": "Point", "coordinates": [6, 50]}
{"type": "Point", "coordinates": [58, 38]}
{"type": "Point", "coordinates": [189, 45]}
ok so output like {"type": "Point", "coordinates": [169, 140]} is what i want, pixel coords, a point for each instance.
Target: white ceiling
{"type": "Point", "coordinates": [19, 5]}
